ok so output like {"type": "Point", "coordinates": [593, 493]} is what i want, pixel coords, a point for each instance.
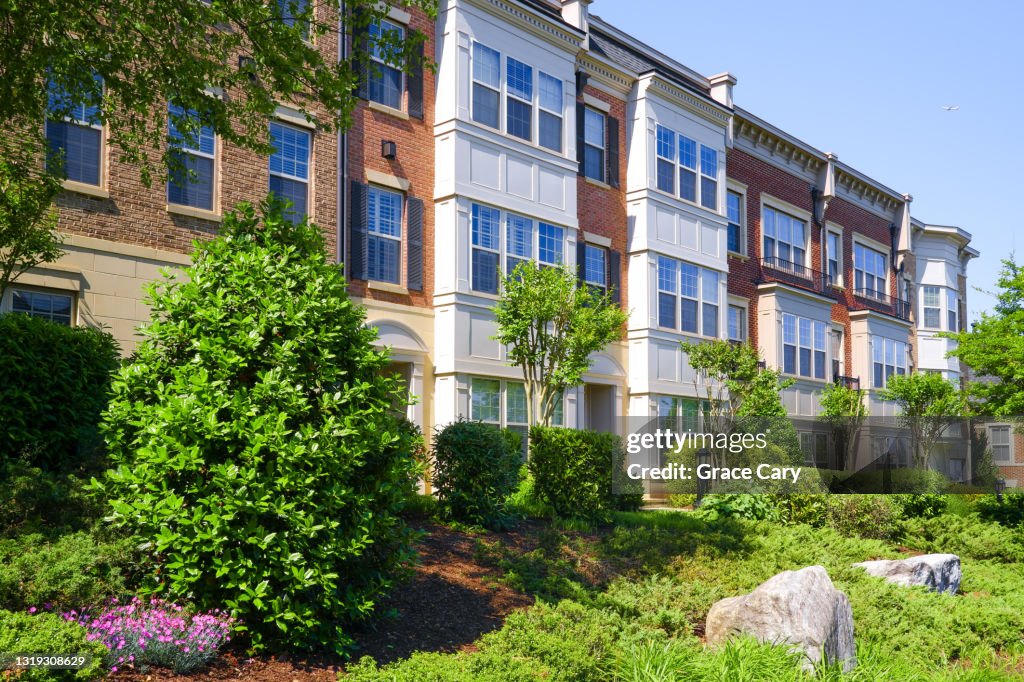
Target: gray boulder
{"type": "Point", "coordinates": [937, 572]}
{"type": "Point", "coordinates": [801, 608]}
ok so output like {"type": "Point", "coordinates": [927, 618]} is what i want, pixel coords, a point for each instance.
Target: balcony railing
{"type": "Point", "coordinates": [794, 274]}
{"type": "Point", "coordinates": [869, 299]}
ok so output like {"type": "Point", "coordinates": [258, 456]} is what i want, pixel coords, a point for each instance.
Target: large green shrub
{"type": "Point", "coordinates": [74, 571]}
{"type": "Point", "coordinates": [36, 500]}
{"type": "Point", "coordinates": [48, 633]}
{"type": "Point", "coordinates": [1008, 511]}
{"type": "Point", "coordinates": [54, 383]}
{"type": "Point", "coordinates": [257, 449]}
{"type": "Point", "coordinates": [476, 467]}
{"type": "Point", "coordinates": [580, 473]}
{"type": "Point", "coordinates": [865, 516]}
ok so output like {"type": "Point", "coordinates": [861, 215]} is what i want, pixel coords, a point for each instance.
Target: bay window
{"type": "Point", "coordinates": [549, 116]}
{"type": "Point", "coordinates": [518, 99]}
{"type": "Point", "coordinates": [932, 311]}
{"type": "Point", "coordinates": [888, 357]}
{"type": "Point", "coordinates": [525, 239]}
{"type": "Point", "coordinates": [803, 347]}
{"type": "Point", "coordinates": [708, 178]}
{"type": "Point", "coordinates": [486, 86]}
{"type": "Point", "coordinates": [688, 297]}
{"type": "Point", "coordinates": [952, 311]}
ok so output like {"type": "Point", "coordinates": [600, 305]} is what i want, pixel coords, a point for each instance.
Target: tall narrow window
{"type": "Point", "coordinates": [1000, 438]}
{"type": "Point", "coordinates": [519, 246]}
{"type": "Point", "coordinates": [838, 354]}
{"type": "Point", "coordinates": [386, 78]}
{"type": "Point", "coordinates": [932, 311]}
{"type": "Point", "coordinates": [519, 100]}
{"type": "Point", "coordinates": [485, 400]}
{"type": "Point", "coordinates": [384, 244]}
{"type": "Point", "coordinates": [689, 294]}
{"type": "Point", "coordinates": [594, 144]}
{"type": "Point", "coordinates": [74, 135]}
{"type": "Point", "coordinates": [595, 267]}
{"type": "Point", "coordinates": [709, 306]}
{"type": "Point", "coordinates": [952, 308]}
{"type": "Point", "coordinates": [789, 344]}
{"type": "Point", "coordinates": [668, 282]}
{"type": "Point", "coordinates": [486, 85]}
{"type": "Point", "coordinates": [549, 115]}
{"type": "Point", "coordinates": [785, 241]}
{"type": "Point", "coordinates": [191, 179]}
{"type": "Point", "coordinates": [819, 350]}
{"type": "Point", "coordinates": [869, 272]}
{"type": "Point", "coordinates": [52, 307]}
{"type": "Point", "coordinates": [734, 211]}
{"type": "Point", "coordinates": [486, 246]}
{"type": "Point", "coordinates": [289, 167]}
{"type": "Point", "coordinates": [516, 415]}
{"type": "Point", "coordinates": [294, 13]}
{"type": "Point", "coordinates": [833, 246]}
{"type": "Point", "coordinates": [687, 169]}
{"type": "Point", "coordinates": [737, 323]}
{"type": "Point", "coordinates": [666, 154]}
{"type": "Point", "coordinates": [550, 244]}
{"type": "Point", "coordinates": [708, 178]}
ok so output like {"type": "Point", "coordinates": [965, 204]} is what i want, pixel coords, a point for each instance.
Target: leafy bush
{"type": "Point", "coordinates": [36, 500]}
{"type": "Point", "coordinates": [865, 516]}
{"type": "Point", "coordinates": [257, 447]}
{"type": "Point", "coordinates": [968, 536]}
{"type": "Point", "coordinates": [923, 505]}
{"type": "Point", "coordinates": [524, 499]}
{"type": "Point", "coordinates": [809, 509]}
{"type": "Point", "coordinates": [54, 383]}
{"type": "Point", "coordinates": [476, 466]}
{"type": "Point", "coordinates": [1008, 512]}
{"type": "Point", "coordinates": [139, 634]}
{"type": "Point", "coordinates": [73, 571]}
{"type": "Point", "coordinates": [681, 500]}
{"type": "Point", "coordinates": [738, 506]}
{"type": "Point", "coordinates": [49, 633]}
{"type": "Point", "coordinates": [581, 473]}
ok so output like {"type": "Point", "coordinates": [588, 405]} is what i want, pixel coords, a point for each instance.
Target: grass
{"type": "Point", "coordinates": [627, 602]}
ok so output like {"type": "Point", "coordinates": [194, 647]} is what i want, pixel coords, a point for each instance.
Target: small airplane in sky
{"type": "Point", "coordinates": [951, 107]}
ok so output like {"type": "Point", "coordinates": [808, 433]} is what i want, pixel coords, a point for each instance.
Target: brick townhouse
{"type": "Point", "coordinates": [546, 133]}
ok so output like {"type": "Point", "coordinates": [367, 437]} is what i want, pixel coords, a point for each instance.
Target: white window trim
{"type": "Point", "coordinates": [875, 246]}
{"type": "Point", "coordinates": [838, 327]}
{"type": "Point", "coordinates": [503, 384]}
{"type": "Point", "coordinates": [559, 114]}
{"type": "Point", "coordinates": [939, 306]}
{"type": "Point", "coordinates": [604, 251]}
{"type": "Point", "coordinates": [697, 170]}
{"type": "Point", "coordinates": [212, 213]}
{"type": "Point", "coordinates": [837, 230]}
{"type": "Point", "coordinates": [503, 251]}
{"type": "Point", "coordinates": [679, 296]}
{"type": "Point", "coordinates": [741, 190]}
{"type": "Point", "coordinates": [99, 190]}
{"type": "Point", "coordinates": [403, 227]}
{"type": "Point", "coordinates": [604, 145]}
{"type": "Point", "coordinates": [798, 345]}
{"type": "Point", "coordinates": [533, 102]}
{"type": "Point", "coordinates": [737, 302]}
{"type": "Point", "coordinates": [1012, 454]}
{"type": "Point", "coordinates": [403, 104]}
{"type": "Point", "coordinates": [906, 366]}
{"type": "Point", "coordinates": [715, 178]}
{"type": "Point", "coordinates": [310, 203]}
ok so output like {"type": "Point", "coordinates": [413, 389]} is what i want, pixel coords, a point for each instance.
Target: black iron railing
{"type": "Point", "coordinates": [787, 272]}
{"type": "Point", "coordinates": [882, 302]}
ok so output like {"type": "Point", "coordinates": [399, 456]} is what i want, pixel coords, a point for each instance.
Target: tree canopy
{"type": "Point", "coordinates": [929, 404]}
{"type": "Point", "coordinates": [551, 324]}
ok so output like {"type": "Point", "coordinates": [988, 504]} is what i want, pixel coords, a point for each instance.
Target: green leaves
{"type": "Point", "coordinates": [257, 487]}
{"type": "Point", "coordinates": [551, 324]}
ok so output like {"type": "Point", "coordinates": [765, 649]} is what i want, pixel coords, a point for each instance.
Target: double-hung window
{"type": "Point", "coordinates": [384, 235]}
{"type": "Point", "coordinates": [595, 267]}
{"type": "Point", "coordinates": [932, 311]}
{"type": "Point", "coordinates": [519, 241]}
{"type": "Point", "coordinates": [486, 86]}
{"type": "Point", "coordinates": [833, 245]}
{"type": "Point", "coordinates": [74, 135]}
{"type": "Point", "coordinates": [549, 116]}
{"type": "Point", "coordinates": [485, 400]}
{"type": "Point", "coordinates": [519, 99]}
{"type": "Point", "coordinates": [666, 153]}
{"type": "Point", "coordinates": [869, 272]}
{"type": "Point", "coordinates": [294, 13]}
{"type": "Point", "coordinates": [503, 404]}
{"type": "Point", "coordinates": [708, 178]}
{"type": "Point", "coordinates": [1000, 440]}
{"type": "Point", "coordinates": [594, 124]}
{"type": "Point", "coordinates": [734, 212]}
{"type": "Point", "coordinates": [191, 177]}
{"type": "Point", "coordinates": [688, 297]}
{"type": "Point", "coordinates": [888, 357]}
{"type": "Point", "coordinates": [49, 306]}
{"type": "Point", "coordinates": [386, 80]}
{"type": "Point", "coordinates": [803, 347]}
{"type": "Point", "coordinates": [486, 248]}
{"type": "Point", "coordinates": [952, 311]}
{"type": "Point", "coordinates": [785, 241]}
{"type": "Point", "coordinates": [551, 244]}
{"type": "Point", "coordinates": [289, 167]}
{"type": "Point", "coordinates": [737, 323]}
{"type": "Point", "coordinates": [687, 169]}
{"type": "Point", "coordinates": [815, 448]}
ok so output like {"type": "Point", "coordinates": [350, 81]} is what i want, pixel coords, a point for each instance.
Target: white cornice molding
{"type": "Point", "coordinates": [667, 90]}
{"type": "Point", "coordinates": [561, 35]}
{"type": "Point", "coordinates": [606, 74]}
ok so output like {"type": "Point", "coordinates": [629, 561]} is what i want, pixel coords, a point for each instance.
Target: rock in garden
{"type": "Point", "coordinates": [801, 608]}
{"type": "Point", "coordinates": [937, 572]}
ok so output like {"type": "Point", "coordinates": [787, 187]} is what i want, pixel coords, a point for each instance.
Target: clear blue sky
{"type": "Point", "coordinates": [867, 80]}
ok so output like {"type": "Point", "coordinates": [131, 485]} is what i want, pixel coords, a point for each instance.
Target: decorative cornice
{"type": "Point", "coordinates": [563, 35]}
{"type": "Point", "coordinates": [606, 73]}
{"type": "Point", "coordinates": [713, 112]}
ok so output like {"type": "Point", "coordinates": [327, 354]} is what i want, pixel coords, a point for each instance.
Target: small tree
{"type": "Point", "coordinates": [928, 405]}
{"type": "Point", "coordinates": [551, 324]}
{"type": "Point", "coordinates": [28, 219]}
{"type": "Point", "coordinates": [843, 408]}
{"type": "Point", "coordinates": [257, 451]}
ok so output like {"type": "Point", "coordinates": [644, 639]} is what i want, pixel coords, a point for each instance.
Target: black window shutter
{"type": "Point", "coordinates": [414, 246]}
{"type": "Point", "coordinates": [581, 265]}
{"type": "Point", "coordinates": [359, 220]}
{"type": "Point", "coordinates": [579, 136]}
{"type": "Point", "coordinates": [361, 53]}
{"type": "Point", "coordinates": [414, 81]}
{"type": "Point", "coordinates": [615, 275]}
{"type": "Point", "coordinates": [613, 151]}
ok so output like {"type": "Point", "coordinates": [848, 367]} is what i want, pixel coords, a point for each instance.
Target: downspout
{"type": "Point", "coordinates": [342, 151]}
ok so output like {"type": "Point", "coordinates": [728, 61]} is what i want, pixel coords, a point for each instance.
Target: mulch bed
{"type": "Point", "coordinates": [450, 601]}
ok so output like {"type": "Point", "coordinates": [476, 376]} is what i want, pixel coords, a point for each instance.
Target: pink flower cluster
{"type": "Point", "coordinates": [143, 633]}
